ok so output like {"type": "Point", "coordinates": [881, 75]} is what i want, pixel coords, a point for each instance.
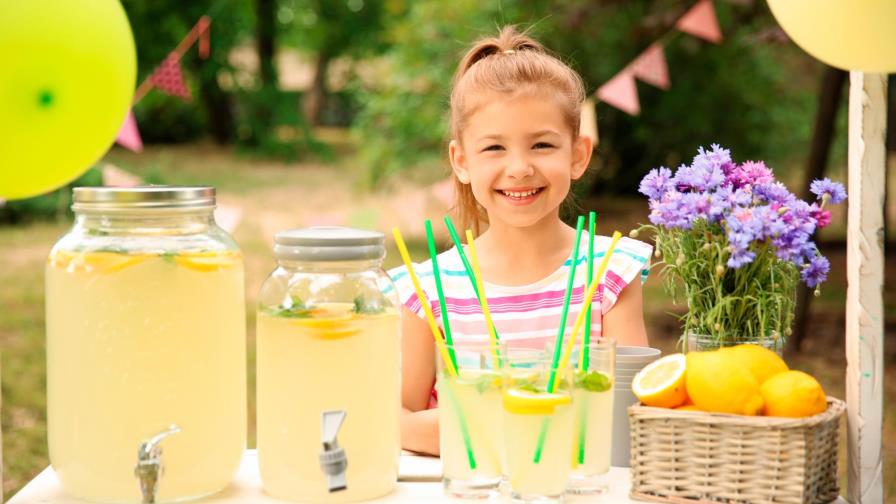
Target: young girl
{"type": "Point", "coordinates": [515, 150]}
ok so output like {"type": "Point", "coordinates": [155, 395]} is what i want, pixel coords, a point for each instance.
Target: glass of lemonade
{"type": "Point", "coordinates": [145, 318]}
{"type": "Point", "coordinates": [538, 425]}
{"type": "Point", "coordinates": [471, 429]}
{"type": "Point", "coordinates": [593, 389]}
{"type": "Point", "coordinates": [328, 340]}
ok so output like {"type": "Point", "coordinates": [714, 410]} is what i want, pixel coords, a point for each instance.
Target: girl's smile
{"type": "Point", "coordinates": [520, 195]}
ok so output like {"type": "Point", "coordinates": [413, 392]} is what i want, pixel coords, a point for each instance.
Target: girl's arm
{"type": "Point", "coordinates": [419, 425]}
{"type": "Point", "coordinates": [625, 320]}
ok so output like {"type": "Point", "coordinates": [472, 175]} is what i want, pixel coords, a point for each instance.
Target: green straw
{"type": "Point", "coordinates": [574, 258]}
{"type": "Point", "coordinates": [583, 419]}
{"type": "Point", "coordinates": [446, 326]}
{"type": "Point", "coordinates": [471, 274]}
{"type": "Point", "coordinates": [463, 257]}
{"type": "Point", "coordinates": [464, 429]}
{"type": "Point", "coordinates": [585, 361]}
{"type": "Point", "coordinates": [592, 228]}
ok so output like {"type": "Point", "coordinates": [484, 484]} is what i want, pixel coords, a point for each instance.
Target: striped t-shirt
{"type": "Point", "coordinates": [524, 315]}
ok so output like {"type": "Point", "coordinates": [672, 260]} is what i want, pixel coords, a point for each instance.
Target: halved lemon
{"type": "Point", "coordinates": [662, 382]}
{"type": "Point", "coordinates": [524, 402]}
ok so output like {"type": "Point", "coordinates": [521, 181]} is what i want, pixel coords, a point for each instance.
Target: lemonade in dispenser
{"type": "Point", "coordinates": [328, 369]}
{"type": "Point", "coordinates": [146, 363]}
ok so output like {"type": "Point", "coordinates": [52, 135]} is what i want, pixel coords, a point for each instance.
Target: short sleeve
{"type": "Point", "coordinates": [404, 287]}
{"type": "Point", "coordinates": [630, 261]}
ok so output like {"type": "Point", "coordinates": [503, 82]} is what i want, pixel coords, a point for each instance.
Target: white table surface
{"type": "Point", "coordinates": [419, 482]}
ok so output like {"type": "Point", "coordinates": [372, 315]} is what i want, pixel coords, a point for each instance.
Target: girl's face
{"type": "Point", "coordinates": [519, 157]}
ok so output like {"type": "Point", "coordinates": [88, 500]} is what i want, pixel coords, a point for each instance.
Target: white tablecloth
{"type": "Point", "coordinates": [419, 482]}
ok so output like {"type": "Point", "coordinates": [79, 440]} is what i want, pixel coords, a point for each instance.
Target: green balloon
{"type": "Point", "coordinates": [67, 74]}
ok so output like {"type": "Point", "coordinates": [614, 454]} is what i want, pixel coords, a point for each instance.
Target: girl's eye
{"type": "Point", "coordinates": [492, 148]}
{"type": "Point", "coordinates": [543, 145]}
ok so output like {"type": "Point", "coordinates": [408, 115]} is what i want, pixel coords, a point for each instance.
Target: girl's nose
{"type": "Point", "coordinates": [519, 166]}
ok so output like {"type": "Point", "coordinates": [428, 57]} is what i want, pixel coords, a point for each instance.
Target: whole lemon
{"type": "Point", "coordinates": [760, 361]}
{"type": "Point", "coordinates": [717, 382]}
{"type": "Point", "coordinates": [793, 394]}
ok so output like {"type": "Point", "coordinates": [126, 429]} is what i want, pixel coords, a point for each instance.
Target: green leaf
{"type": "Point", "coordinates": [368, 306]}
{"type": "Point", "coordinates": [593, 381]}
{"type": "Point", "coordinates": [296, 309]}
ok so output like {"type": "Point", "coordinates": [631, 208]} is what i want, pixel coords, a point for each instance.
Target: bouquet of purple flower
{"type": "Point", "coordinates": [735, 242]}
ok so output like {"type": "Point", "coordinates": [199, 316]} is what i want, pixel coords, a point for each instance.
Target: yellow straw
{"type": "Point", "coordinates": [589, 296]}
{"type": "Point", "coordinates": [403, 250]}
{"type": "Point", "coordinates": [474, 259]}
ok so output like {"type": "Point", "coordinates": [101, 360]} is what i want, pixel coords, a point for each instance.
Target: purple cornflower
{"type": "Point", "coordinates": [815, 271]}
{"type": "Point", "coordinates": [739, 245]}
{"type": "Point", "coordinates": [670, 211]}
{"type": "Point", "coordinates": [715, 158]}
{"type": "Point", "coordinates": [774, 193]}
{"type": "Point", "coordinates": [698, 177]}
{"type": "Point", "coordinates": [826, 187]}
{"type": "Point", "coordinates": [656, 183]}
{"type": "Point", "coordinates": [732, 198]}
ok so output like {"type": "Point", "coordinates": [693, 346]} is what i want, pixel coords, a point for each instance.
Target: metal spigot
{"type": "Point", "coordinates": [149, 468]}
{"type": "Point", "coordinates": [332, 459]}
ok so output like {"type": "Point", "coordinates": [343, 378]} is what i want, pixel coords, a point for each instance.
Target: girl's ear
{"type": "Point", "coordinates": [458, 161]}
{"type": "Point", "coordinates": [582, 148]}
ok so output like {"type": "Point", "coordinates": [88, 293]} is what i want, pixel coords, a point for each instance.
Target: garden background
{"type": "Point", "coordinates": [334, 112]}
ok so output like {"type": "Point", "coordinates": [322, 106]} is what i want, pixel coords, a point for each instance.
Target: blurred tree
{"type": "Point", "coordinates": [741, 93]}
{"type": "Point", "coordinates": [329, 29]}
{"type": "Point", "coordinates": [404, 123]}
{"type": "Point", "coordinates": [158, 26]}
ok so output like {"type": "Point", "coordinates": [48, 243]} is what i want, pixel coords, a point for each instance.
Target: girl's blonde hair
{"type": "Point", "coordinates": [510, 63]}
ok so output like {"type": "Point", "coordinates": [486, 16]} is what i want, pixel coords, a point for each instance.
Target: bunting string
{"type": "Point", "coordinates": [650, 66]}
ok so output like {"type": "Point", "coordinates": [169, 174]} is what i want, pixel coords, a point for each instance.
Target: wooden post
{"type": "Point", "coordinates": [864, 294]}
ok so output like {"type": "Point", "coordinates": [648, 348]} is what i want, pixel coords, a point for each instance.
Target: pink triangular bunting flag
{"type": "Point", "coordinates": [700, 21]}
{"type": "Point", "coordinates": [129, 136]}
{"type": "Point", "coordinates": [621, 92]}
{"type": "Point", "coordinates": [169, 79]}
{"type": "Point", "coordinates": [114, 176]}
{"type": "Point", "coordinates": [651, 66]}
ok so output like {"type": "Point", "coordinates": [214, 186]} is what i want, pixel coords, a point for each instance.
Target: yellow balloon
{"type": "Point", "coordinates": [67, 73]}
{"type": "Point", "coordinates": [847, 34]}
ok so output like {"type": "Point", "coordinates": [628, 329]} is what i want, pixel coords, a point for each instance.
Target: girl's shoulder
{"type": "Point", "coordinates": [450, 267]}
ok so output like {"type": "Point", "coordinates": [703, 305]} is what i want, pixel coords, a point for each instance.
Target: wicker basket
{"type": "Point", "coordinates": [693, 456]}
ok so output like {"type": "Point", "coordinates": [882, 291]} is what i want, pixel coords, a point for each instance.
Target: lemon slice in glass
{"type": "Point", "coordinates": [524, 402]}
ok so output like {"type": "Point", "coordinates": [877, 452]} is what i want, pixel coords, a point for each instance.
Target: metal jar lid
{"type": "Point", "coordinates": [329, 244]}
{"type": "Point", "coordinates": [142, 197]}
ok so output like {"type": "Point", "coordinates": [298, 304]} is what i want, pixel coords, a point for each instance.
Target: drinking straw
{"type": "Point", "coordinates": [446, 357]}
{"type": "Point", "coordinates": [584, 360]}
{"type": "Point", "coordinates": [592, 289]}
{"type": "Point", "coordinates": [403, 250]}
{"type": "Point", "coordinates": [468, 268]}
{"type": "Point", "coordinates": [483, 300]}
{"type": "Point", "coordinates": [580, 319]}
{"type": "Point", "coordinates": [583, 412]}
{"type": "Point", "coordinates": [574, 258]}
{"type": "Point", "coordinates": [460, 250]}
{"type": "Point", "coordinates": [561, 329]}
{"type": "Point", "coordinates": [431, 243]}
